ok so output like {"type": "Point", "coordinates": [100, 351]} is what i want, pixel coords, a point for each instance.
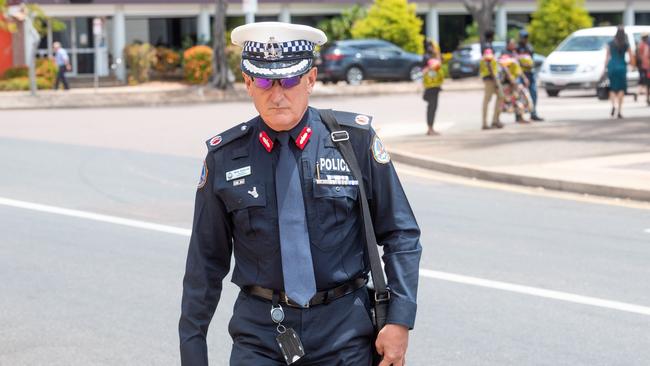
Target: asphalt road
{"type": "Point", "coordinates": [86, 290]}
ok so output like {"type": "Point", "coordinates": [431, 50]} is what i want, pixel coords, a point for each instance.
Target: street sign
{"type": "Point", "coordinates": [249, 6]}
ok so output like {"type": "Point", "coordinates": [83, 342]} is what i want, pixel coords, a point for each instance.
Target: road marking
{"type": "Point", "coordinates": [445, 276]}
{"type": "Point", "coordinates": [647, 231]}
{"type": "Point", "coordinates": [95, 217]}
{"type": "Point", "coordinates": [539, 292]}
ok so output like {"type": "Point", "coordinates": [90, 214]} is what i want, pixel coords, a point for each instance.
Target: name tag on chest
{"type": "Point", "coordinates": [238, 173]}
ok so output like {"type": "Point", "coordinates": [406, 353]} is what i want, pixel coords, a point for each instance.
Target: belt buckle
{"type": "Point", "coordinates": [292, 304]}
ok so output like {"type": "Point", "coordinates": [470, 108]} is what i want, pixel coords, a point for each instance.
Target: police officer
{"type": "Point", "coordinates": [277, 193]}
{"type": "Point", "coordinates": [525, 52]}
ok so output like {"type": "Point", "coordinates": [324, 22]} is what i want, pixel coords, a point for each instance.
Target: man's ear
{"type": "Point", "coordinates": [248, 82]}
{"type": "Point", "coordinates": [311, 79]}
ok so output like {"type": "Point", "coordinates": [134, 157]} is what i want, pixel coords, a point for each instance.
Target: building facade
{"type": "Point", "coordinates": [180, 23]}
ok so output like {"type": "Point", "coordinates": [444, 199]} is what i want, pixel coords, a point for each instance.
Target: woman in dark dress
{"type": "Point", "coordinates": [617, 69]}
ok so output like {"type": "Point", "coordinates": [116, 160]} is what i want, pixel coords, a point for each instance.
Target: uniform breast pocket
{"type": "Point", "coordinates": [251, 221]}
{"type": "Point", "coordinates": [334, 205]}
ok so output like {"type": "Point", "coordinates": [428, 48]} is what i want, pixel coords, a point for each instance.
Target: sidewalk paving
{"type": "Point", "coordinates": [607, 157]}
{"type": "Point", "coordinates": [172, 93]}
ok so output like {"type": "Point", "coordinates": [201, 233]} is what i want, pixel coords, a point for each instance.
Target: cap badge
{"type": "Point", "coordinates": [272, 50]}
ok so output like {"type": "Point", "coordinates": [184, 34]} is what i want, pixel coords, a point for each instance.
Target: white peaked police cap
{"type": "Point", "coordinates": [277, 50]}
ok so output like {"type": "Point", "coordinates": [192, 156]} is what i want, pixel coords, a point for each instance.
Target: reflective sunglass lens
{"type": "Point", "coordinates": [263, 83]}
{"type": "Point", "coordinates": [290, 82]}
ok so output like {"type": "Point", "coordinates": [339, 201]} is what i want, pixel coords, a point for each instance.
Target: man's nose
{"type": "Point", "coordinates": [277, 93]}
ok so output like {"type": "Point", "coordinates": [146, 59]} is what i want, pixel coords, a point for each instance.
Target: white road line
{"type": "Point", "coordinates": [445, 276]}
{"type": "Point", "coordinates": [647, 231]}
{"type": "Point", "coordinates": [539, 292]}
{"type": "Point", "coordinates": [95, 217]}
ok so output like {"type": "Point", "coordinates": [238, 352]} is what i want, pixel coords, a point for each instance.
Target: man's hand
{"type": "Point", "coordinates": [392, 341]}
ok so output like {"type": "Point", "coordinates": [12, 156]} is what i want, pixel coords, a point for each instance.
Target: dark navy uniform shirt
{"type": "Point", "coordinates": [236, 211]}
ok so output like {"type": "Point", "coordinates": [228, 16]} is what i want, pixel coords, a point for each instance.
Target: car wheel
{"type": "Point", "coordinates": [552, 93]}
{"type": "Point", "coordinates": [415, 73]}
{"type": "Point", "coordinates": [354, 75]}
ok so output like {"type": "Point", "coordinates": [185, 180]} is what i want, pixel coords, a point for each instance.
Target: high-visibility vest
{"type": "Point", "coordinates": [433, 78]}
{"type": "Point", "coordinates": [484, 69]}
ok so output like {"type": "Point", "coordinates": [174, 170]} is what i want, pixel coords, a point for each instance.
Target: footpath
{"type": "Point", "coordinates": [175, 93]}
{"type": "Point", "coordinates": [608, 157]}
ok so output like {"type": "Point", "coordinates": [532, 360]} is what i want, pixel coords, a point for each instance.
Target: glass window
{"type": "Point", "coordinates": [584, 43]}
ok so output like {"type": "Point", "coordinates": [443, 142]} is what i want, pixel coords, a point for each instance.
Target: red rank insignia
{"type": "Point", "coordinates": [266, 141]}
{"type": "Point", "coordinates": [303, 138]}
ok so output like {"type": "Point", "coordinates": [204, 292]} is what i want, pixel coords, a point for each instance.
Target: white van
{"type": "Point", "coordinates": [579, 61]}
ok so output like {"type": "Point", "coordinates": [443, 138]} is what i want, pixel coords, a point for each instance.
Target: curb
{"type": "Point", "coordinates": [183, 96]}
{"type": "Point", "coordinates": [469, 171]}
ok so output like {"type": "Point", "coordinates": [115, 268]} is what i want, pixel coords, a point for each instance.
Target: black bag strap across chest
{"type": "Point", "coordinates": [342, 141]}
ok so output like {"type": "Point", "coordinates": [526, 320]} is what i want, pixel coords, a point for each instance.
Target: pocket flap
{"type": "Point", "coordinates": [333, 191]}
{"type": "Point", "coordinates": [237, 198]}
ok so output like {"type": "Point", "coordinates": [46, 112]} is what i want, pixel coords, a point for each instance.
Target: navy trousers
{"type": "Point", "coordinates": [337, 334]}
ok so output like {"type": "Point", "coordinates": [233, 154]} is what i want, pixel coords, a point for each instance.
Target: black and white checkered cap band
{"type": "Point", "coordinates": [287, 47]}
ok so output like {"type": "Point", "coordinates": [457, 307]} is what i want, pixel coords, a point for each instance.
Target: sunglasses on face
{"type": "Point", "coordinates": [285, 83]}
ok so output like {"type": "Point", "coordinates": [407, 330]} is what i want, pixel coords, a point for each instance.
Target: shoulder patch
{"type": "Point", "coordinates": [379, 151]}
{"type": "Point", "coordinates": [204, 176]}
{"type": "Point", "coordinates": [353, 119]}
{"type": "Point", "coordinates": [229, 135]}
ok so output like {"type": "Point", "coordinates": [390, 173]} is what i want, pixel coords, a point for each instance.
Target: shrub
{"type": "Point", "coordinates": [16, 72]}
{"type": "Point", "coordinates": [167, 60]}
{"type": "Point", "coordinates": [554, 20]}
{"type": "Point", "coordinates": [339, 27]}
{"type": "Point", "coordinates": [139, 59]}
{"type": "Point", "coordinates": [46, 71]}
{"type": "Point", "coordinates": [22, 83]}
{"type": "Point", "coordinates": [233, 53]}
{"type": "Point", "coordinates": [394, 21]}
{"type": "Point", "coordinates": [197, 66]}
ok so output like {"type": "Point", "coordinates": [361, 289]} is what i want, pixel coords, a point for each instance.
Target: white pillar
{"type": "Point", "coordinates": [502, 23]}
{"type": "Point", "coordinates": [628, 13]}
{"type": "Point", "coordinates": [432, 25]}
{"type": "Point", "coordinates": [203, 26]}
{"type": "Point", "coordinates": [285, 14]}
{"type": "Point", "coordinates": [119, 42]}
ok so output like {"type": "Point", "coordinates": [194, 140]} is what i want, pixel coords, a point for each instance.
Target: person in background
{"type": "Point", "coordinates": [643, 56]}
{"type": "Point", "coordinates": [63, 63]}
{"type": "Point", "coordinates": [513, 80]}
{"type": "Point", "coordinates": [617, 69]}
{"type": "Point", "coordinates": [432, 79]}
{"type": "Point", "coordinates": [488, 69]}
{"type": "Point", "coordinates": [525, 52]}
{"type": "Point", "coordinates": [488, 38]}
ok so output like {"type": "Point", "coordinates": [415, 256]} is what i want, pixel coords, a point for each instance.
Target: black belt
{"type": "Point", "coordinates": [321, 297]}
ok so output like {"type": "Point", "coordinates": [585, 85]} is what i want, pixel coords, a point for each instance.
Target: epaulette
{"type": "Point", "coordinates": [353, 119]}
{"type": "Point", "coordinates": [229, 135]}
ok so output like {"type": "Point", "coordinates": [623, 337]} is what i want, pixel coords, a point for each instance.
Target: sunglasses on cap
{"type": "Point", "coordinates": [285, 83]}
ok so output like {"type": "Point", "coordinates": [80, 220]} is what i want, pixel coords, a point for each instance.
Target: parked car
{"type": "Point", "coordinates": [366, 59]}
{"type": "Point", "coordinates": [579, 61]}
{"type": "Point", "coordinates": [465, 60]}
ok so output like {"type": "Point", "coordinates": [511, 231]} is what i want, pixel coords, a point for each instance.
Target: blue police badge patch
{"type": "Point", "coordinates": [379, 151]}
{"type": "Point", "coordinates": [204, 176]}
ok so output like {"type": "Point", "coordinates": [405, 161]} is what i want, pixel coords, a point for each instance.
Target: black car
{"type": "Point", "coordinates": [367, 59]}
{"type": "Point", "coordinates": [465, 60]}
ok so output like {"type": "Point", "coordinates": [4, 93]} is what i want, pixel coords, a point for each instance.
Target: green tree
{"type": "Point", "coordinates": [394, 21]}
{"type": "Point", "coordinates": [554, 20]}
{"type": "Point", "coordinates": [341, 27]}
{"type": "Point", "coordinates": [40, 19]}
